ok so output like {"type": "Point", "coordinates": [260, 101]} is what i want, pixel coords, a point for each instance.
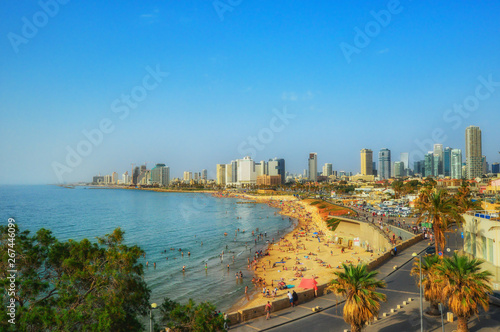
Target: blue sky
{"type": "Point", "coordinates": [230, 70]}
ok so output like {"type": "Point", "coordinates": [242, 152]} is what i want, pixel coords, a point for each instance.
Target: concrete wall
{"type": "Point", "coordinates": [258, 311]}
{"type": "Point", "coordinates": [349, 229]}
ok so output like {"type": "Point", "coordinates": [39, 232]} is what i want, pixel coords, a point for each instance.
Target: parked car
{"type": "Point", "coordinates": [430, 250]}
{"type": "Point", "coordinates": [495, 298]}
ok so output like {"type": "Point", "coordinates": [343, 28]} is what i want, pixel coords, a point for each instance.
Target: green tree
{"type": "Point", "coordinates": [441, 209]}
{"type": "Point", "coordinates": [190, 317]}
{"type": "Point", "coordinates": [358, 286]}
{"type": "Point", "coordinates": [464, 198]}
{"type": "Point", "coordinates": [465, 287]}
{"type": "Point", "coordinates": [398, 187]}
{"type": "Point", "coordinates": [75, 285]}
{"type": "Point", "coordinates": [432, 289]}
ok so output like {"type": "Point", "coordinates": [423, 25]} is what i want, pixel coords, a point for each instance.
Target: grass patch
{"type": "Point", "coordinates": [315, 202]}
{"type": "Point", "coordinates": [333, 223]}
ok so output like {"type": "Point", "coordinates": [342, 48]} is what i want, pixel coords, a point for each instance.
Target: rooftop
{"type": "Point", "coordinates": [485, 214]}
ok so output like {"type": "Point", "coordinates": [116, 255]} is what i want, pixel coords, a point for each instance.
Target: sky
{"type": "Point", "coordinates": [92, 87]}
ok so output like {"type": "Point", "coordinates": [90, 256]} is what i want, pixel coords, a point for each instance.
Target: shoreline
{"type": "Point", "coordinates": [309, 250]}
{"type": "Point", "coordinates": [198, 191]}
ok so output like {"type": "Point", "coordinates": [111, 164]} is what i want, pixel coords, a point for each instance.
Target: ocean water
{"type": "Point", "coordinates": [156, 222]}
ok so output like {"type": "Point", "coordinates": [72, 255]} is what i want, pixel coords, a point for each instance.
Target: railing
{"type": "Point", "coordinates": [485, 214]}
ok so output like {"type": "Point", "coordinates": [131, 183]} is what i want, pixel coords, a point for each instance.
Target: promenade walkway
{"type": "Point", "coordinates": [287, 316]}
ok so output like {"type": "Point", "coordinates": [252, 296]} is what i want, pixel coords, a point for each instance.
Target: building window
{"type": "Point", "coordinates": [483, 248]}
{"type": "Point", "coordinates": [490, 250]}
{"type": "Point", "coordinates": [468, 243]}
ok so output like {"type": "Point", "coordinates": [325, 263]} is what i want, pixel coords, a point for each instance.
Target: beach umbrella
{"type": "Point", "coordinates": [315, 233]}
{"type": "Point", "coordinates": [308, 283]}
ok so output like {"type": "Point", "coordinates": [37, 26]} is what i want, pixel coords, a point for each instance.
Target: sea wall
{"type": "Point", "coordinates": [258, 311]}
{"type": "Point", "coordinates": [349, 229]}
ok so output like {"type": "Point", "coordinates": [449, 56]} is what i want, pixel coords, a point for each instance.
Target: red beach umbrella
{"type": "Point", "coordinates": [308, 283]}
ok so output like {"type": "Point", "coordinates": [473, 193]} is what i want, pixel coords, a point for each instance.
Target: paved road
{"type": "Point", "coordinates": [400, 287]}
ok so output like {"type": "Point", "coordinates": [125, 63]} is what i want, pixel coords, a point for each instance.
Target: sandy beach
{"type": "Point", "coordinates": [308, 251]}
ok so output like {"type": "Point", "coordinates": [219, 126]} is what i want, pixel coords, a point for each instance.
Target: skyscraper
{"type": "Point", "coordinates": [404, 156]}
{"type": "Point", "coordinates": [495, 168]}
{"type": "Point", "coordinates": [313, 166]}
{"type": "Point", "coordinates": [399, 169]}
{"type": "Point", "coordinates": [485, 165]}
{"type": "Point", "coordinates": [429, 164]}
{"type": "Point", "coordinates": [221, 174]}
{"type": "Point", "coordinates": [276, 166]}
{"type": "Point", "coordinates": [447, 161]}
{"type": "Point", "coordinates": [438, 159]}
{"type": "Point", "coordinates": [160, 174]}
{"type": "Point", "coordinates": [456, 164]}
{"type": "Point", "coordinates": [384, 164]}
{"type": "Point", "coordinates": [204, 174]}
{"type": "Point", "coordinates": [366, 162]}
{"type": "Point", "coordinates": [327, 169]}
{"type": "Point", "coordinates": [246, 171]}
{"type": "Point", "coordinates": [473, 152]}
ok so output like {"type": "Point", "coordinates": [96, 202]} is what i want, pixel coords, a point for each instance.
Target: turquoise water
{"type": "Point", "coordinates": [156, 222]}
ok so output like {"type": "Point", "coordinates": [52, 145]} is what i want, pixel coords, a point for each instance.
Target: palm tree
{"type": "Point", "coordinates": [466, 287]}
{"type": "Point", "coordinates": [464, 198]}
{"type": "Point", "coordinates": [432, 289]}
{"type": "Point", "coordinates": [440, 208]}
{"type": "Point", "coordinates": [358, 286]}
{"type": "Point", "coordinates": [398, 187]}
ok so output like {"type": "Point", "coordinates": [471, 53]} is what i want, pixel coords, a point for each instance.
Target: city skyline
{"type": "Point", "coordinates": [191, 86]}
{"type": "Point", "coordinates": [439, 163]}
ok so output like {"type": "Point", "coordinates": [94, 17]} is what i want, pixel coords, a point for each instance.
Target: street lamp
{"type": "Point", "coordinates": [153, 306]}
{"type": "Point", "coordinates": [420, 288]}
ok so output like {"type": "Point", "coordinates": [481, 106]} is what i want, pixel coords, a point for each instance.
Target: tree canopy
{"type": "Point", "coordinates": [74, 285]}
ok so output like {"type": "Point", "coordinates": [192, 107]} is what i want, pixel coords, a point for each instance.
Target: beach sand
{"type": "Point", "coordinates": [303, 255]}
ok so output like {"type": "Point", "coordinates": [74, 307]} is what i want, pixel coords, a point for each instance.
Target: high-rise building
{"type": "Point", "coordinates": [135, 175]}
{"type": "Point", "coordinates": [405, 158]}
{"type": "Point", "coordinates": [485, 165]}
{"type": "Point", "coordinates": [204, 174]}
{"type": "Point", "coordinates": [276, 166]}
{"type": "Point", "coordinates": [261, 168]}
{"type": "Point", "coordinates": [495, 168]}
{"type": "Point", "coordinates": [125, 178]}
{"type": "Point", "coordinates": [473, 152]}
{"type": "Point", "coordinates": [447, 161]}
{"type": "Point", "coordinates": [246, 171]}
{"type": "Point", "coordinates": [456, 164]}
{"type": "Point", "coordinates": [419, 167]}
{"type": "Point", "coordinates": [438, 159]}
{"type": "Point", "coordinates": [229, 174]}
{"type": "Point", "coordinates": [399, 169]}
{"type": "Point", "coordinates": [327, 169]}
{"type": "Point", "coordinates": [313, 166]}
{"type": "Point", "coordinates": [160, 174]}
{"type": "Point", "coordinates": [114, 177]}
{"type": "Point", "coordinates": [384, 164]}
{"type": "Point", "coordinates": [374, 168]}
{"type": "Point", "coordinates": [188, 176]}
{"type": "Point", "coordinates": [437, 165]}
{"type": "Point", "coordinates": [221, 174]}
{"type": "Point", "coordinates": [366, 162]}
{"type": "Point", "coordinates": [429, 164]}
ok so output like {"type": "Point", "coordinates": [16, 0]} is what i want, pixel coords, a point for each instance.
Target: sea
{"type": "Point", "coordinates": [158, 222]}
